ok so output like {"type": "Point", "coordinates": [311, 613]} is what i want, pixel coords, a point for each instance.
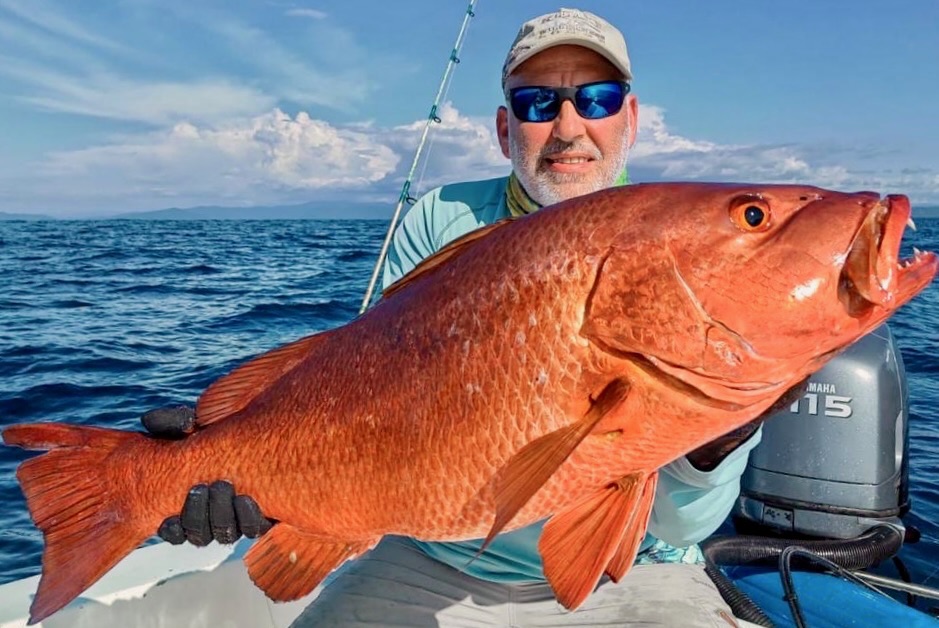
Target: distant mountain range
{"type": "Point", "coordinates": [10, 216]}
{"type": "Point", "coordinates": [318, 210]}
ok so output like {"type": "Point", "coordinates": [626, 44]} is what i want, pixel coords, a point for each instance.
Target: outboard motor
{"type": "Point", "coordinates": [830, 475]}
{"type": "Point", "coordinates": [834, 464]}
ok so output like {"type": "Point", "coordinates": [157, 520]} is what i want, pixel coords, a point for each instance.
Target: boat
{"type": "Point", "coordinates": [810, 528]}
{"type": "Point", "coordinates": [162, 585]}
{"type": "Point", "coordinates": [822, 503]}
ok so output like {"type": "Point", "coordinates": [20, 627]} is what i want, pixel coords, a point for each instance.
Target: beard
{"type": "Point", "coordinates": [546, 187]}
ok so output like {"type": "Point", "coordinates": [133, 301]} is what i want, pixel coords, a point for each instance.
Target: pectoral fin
{"type": "Point", "coordinates": [287, 563]}
{"type": "Point", "coordinates": [601, 533]}
{"type": "Point", "coordinates": [533, 465]}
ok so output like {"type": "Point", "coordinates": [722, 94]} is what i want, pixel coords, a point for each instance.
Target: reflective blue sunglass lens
{"type": "Point", "coordinates": [535, 104]}
{"type": "Point", "coordinates": [600, 100]}
{"type": "Point", "coordinates": [592, 101]}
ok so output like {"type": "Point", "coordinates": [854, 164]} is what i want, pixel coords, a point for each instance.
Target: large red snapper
{"type": "Point", "coordinates": [540, 367]}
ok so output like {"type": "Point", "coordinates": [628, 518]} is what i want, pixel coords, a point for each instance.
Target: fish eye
{"type": "Point", "coordinates": [754, 216]}
{"type": "Point", "coordinates": [750, 213]}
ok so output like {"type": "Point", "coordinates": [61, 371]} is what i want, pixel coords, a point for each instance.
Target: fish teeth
{"type": "Point", "coordinates": [906, 263]}
{"type": "Point", "coordinates": [910, 223]}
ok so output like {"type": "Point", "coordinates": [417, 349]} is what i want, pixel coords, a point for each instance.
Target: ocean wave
{"type": "Point", "coordinates": [263, 314]}
{"type": "Point", "coordinates": [200, 269]}
{"type": "Point", "coordinates": [154, 312]}
{"type": "Point", "coordinates": [70, 303]}
{"type": "Point", "coordinates": [356, 255]}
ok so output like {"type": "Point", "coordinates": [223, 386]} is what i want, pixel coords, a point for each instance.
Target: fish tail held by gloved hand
{"type": "Point", "coordinates": [211, 511]}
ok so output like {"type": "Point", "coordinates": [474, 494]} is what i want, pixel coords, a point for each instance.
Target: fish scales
{"type": "Point", "coordinates": [542, 367]}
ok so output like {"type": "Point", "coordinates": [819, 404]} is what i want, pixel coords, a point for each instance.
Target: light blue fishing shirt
{"type": "Point", "coordinates": [689, 504]}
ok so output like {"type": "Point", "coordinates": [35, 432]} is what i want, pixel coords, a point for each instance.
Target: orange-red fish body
{"type": "Point", "coordinates": [540, 367]}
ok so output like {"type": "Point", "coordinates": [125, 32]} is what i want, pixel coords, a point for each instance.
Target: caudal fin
{"type": "Point", "coordinates": [86, 527]}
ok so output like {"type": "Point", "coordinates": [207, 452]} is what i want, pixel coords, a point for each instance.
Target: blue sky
{"type": "Point", "coordinates": [125, 105]}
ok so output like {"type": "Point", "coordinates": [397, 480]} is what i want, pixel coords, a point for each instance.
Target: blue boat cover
{"type": "Point", "coordinates": [827, 601]}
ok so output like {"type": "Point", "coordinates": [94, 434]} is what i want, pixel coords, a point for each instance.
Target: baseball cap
{"type": "Point", "coordinates": [568, 26]}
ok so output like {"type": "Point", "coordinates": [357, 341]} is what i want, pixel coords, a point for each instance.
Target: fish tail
{"type": "Point", "coordinates": [87, 527]}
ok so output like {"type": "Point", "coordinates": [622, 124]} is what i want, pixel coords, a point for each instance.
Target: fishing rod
{"type": "Point", "coordinates": [432, 118]}
{"type": "Point", "coordinates": [898, 585]}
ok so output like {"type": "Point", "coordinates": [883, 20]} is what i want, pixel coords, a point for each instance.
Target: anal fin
{"type": "Point", "coordinates": [287, 562]}
{"type": "Point", "coordinates": [600, 533]}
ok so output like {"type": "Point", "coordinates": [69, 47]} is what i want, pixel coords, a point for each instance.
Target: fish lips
{"type": "Point", "coordinates": [873, 275]}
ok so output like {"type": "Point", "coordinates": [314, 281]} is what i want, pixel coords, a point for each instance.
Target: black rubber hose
{"type": "Point", "coordinates": [738, 601]}
{"type": "Point", "coordinates": [905, 576]}
{"type": "Point", "coordinates": [873, 546]}
{"type": "Point", "coordinates": [789, 590]}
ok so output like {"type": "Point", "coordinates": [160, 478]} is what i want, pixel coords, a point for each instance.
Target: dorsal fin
{"type": "Point", "coordinates": [231, 393]}
{"type": "Point", "coordinates": [447, 252]}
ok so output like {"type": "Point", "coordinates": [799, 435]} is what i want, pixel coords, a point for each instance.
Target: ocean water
{"type": "Point", "coordinates": [101, 321]}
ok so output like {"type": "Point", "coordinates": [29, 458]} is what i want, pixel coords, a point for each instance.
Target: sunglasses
{"type": "Point", "coordinates": [591, 100]}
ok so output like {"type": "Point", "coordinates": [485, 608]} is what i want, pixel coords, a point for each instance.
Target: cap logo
{"type": "Point", "coordinates": [567, 25]}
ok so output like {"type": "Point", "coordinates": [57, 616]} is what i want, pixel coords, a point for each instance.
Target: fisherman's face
{"type": "Point", "coordinates": [570, 155]}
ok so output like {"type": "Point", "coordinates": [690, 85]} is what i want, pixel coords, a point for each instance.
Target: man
{"type": "Point", "coordinates": [567, 127]}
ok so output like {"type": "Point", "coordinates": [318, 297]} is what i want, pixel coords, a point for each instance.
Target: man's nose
{"type": "Point", "coordinates": [568, 126]}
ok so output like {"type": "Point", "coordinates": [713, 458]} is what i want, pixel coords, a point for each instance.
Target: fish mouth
{"type": "Point", "coordinates": [874, 275]}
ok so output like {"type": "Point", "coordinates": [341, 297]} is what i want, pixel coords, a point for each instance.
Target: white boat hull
{"type": "Point", "coordinates": [163, 586]}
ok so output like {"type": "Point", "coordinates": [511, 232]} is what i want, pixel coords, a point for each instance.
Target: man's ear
{"type": "Point", "coordinates": [632, 103]}
{"type": "Point", "coordinates": [502, 130]}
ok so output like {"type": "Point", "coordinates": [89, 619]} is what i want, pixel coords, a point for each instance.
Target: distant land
{"type": "Point", "coordinates": [10, 216]}
{"type": "Point", "coordinates": [318, 210]}
{"type": "Point", "coordinates": [931, 211]}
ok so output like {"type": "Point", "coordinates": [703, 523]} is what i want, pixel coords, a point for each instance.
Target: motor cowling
{"type": "Point", "coordinates": [835, 463]}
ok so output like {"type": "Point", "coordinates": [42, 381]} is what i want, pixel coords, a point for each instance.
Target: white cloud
{"type": "Point", "coordinates": [654, 138]}
{"type": "Point", "coordinates": [104, 95]}
{"type": "Point", "coordinates": [459, 148]}
{"type": "Point", "coordinates": [277, 158]}
{"type": "Point", "coordinates": [314, 14]}
{"type": "Point", "coordinates": [293, 76]}
{"type": "Point", "coordinates": [662, 155]}
{"type": "Point", "coordinates": [59, 65]}
{"type": "Point", "coordinates": [42, 45]}
{"type": "Point", "coordinates": [52, 21]}
{"type": "Point", "coordinates": [264, 159]}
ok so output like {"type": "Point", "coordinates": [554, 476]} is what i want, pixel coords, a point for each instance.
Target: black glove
{"type": "Point", "coordinates": [170, 422]}
{"type": "Point", "coordinates": [211, 511]}
{"type": "Point", "coordinates": [707, 457]}
{"type": "Point", "coordinates": [215, 512]}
